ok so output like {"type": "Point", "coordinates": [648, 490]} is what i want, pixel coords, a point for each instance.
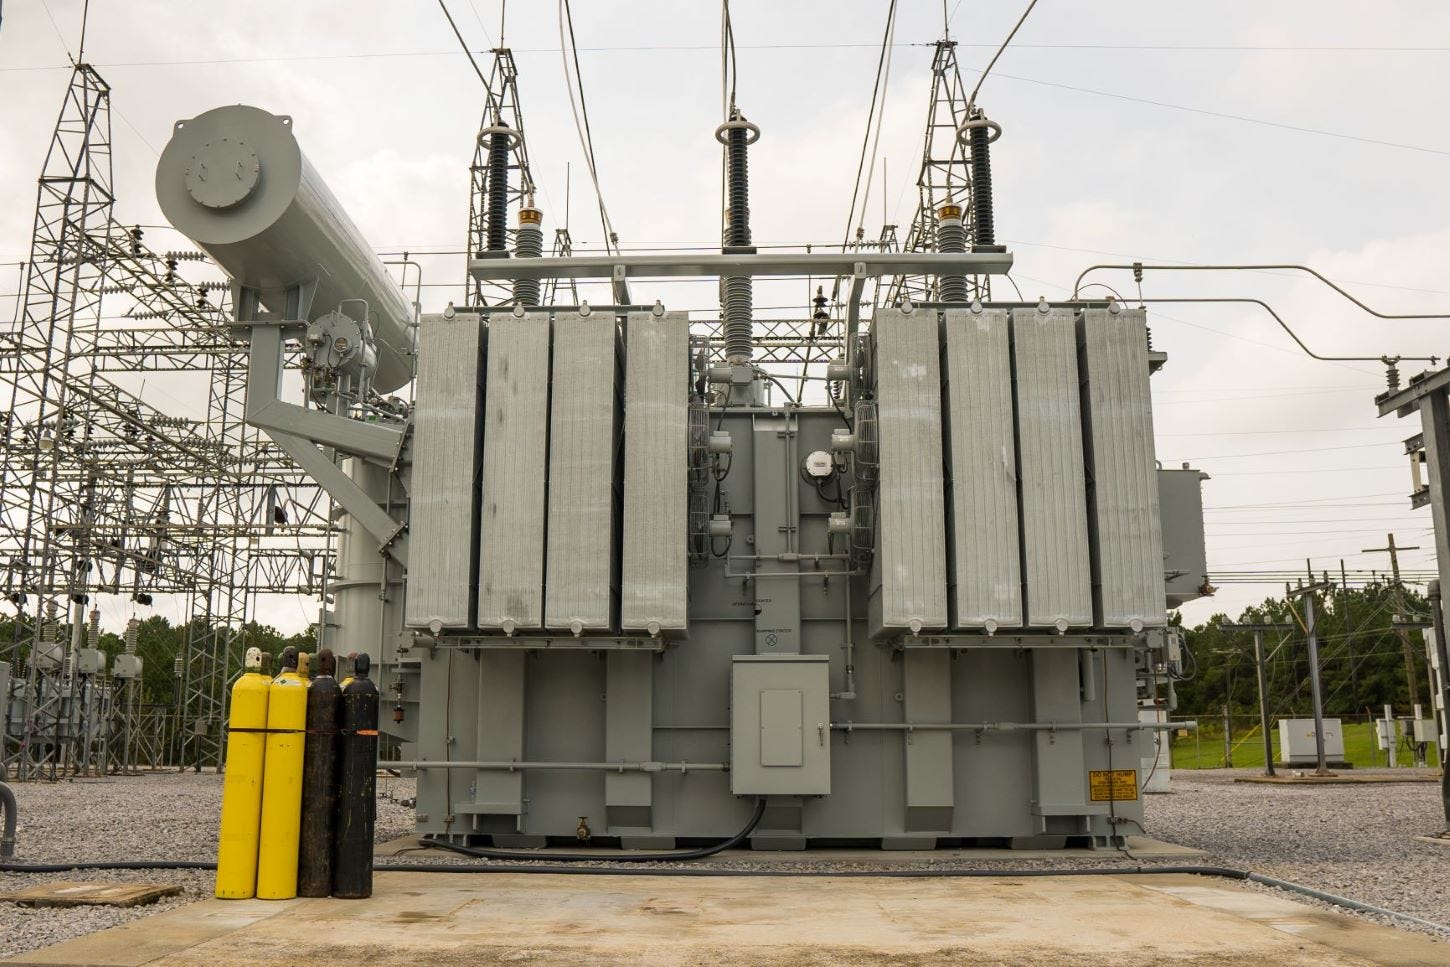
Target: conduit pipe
{"type": "Point", "coordinates": [1007, 726]}
{"type": "Point", "coordinates": [505, 766]}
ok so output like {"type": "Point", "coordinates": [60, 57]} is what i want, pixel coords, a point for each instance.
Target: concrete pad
{"type": "Point", "coordinates": [64, 893]}
{"type": "Point", "coordinates": [464, 918]}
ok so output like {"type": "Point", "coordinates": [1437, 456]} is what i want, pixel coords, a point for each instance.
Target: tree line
{"type": "Point", "coordinates": [1361, 656]}
{"type": "Point", "coordinates": [160, 643]}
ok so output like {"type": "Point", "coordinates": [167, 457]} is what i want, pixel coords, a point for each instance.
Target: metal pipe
{"type": "Point", "coordinates": [1008, 726]}
{"type": "Point", "coordinates": [12, 816]}
{"type": "Point", "coordinates": [699, 264]}
{"type": "Point", "coordinates": [503, 766]}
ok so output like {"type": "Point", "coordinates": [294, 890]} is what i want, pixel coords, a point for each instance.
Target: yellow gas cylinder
{"type": "Point", "coordinates": [304, 663]}
{"type": "Point", "coordinates": [282, 784]}
{"type": "Point", "coordinates": [236, 861]}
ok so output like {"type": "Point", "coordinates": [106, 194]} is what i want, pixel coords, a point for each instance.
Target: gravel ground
{"type": "Point", "coordinates": [1356, 841]}
{"type": "Point", "coordinates": [163, 815]}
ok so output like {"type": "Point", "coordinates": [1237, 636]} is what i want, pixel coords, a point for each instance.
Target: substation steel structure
{"type": "Point", "coordinates": [622, 590]}
{"type": "Point", "coordinates": [106, 493]}
{"type": "Point", "coordinates": [1427, 395]}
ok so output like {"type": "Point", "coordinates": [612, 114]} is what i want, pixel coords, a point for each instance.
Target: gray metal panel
{"type": "Point", "coordinates": [511, 530]}
{"type": "Point", "coordinates": [987, 558]}
{"type": "Point", "coordinates": [1054, 499]}
{"type": "Point", "coordinates": [628, 737]}
{"type": "Point", "coordinates": [1185, 558]}
{"type": "Point", "coordinates": [500, 737]}
{"type": "Point", "coordinates": [780, 719]}
{"type": "Point", "coordinates": [1123, 517]}
{"type": "Point", "coordinates": [911, 545]}
{"type": "Point", "coordinates": [579, 591]}
{"type": "Point", "coordinates": [1059, 769]}
{"type": "Point", "coordinates": [442, 510]}
{"type": "Point", "coordinates": [927, 694]}
{"type": "Point", "coordinates": [653, 578]}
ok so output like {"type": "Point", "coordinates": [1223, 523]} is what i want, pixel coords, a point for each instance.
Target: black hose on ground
{"type": "Point", "coordinates": [675, 856]}
{"type": "Point", "coordinates": [12, 816]}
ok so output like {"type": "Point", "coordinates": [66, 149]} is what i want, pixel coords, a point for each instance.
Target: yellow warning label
{"type": "Point", "coordinates": [1115, 785]}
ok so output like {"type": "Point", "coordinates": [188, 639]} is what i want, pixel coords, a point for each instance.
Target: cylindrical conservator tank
{"type": "Point", "coordinates": [282, 784]}
{"type": "Point", "coordinates": [235, 182]}
{"type": "Point", "coordinates": [319, 780]}
{"type": "Point", "coordinates": [352, 861]}
{"type": "Point", "coordinates": [236, 861]}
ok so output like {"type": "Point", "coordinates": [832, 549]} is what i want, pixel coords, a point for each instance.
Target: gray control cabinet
{"type": "Point", "coordinates": [780, 725]}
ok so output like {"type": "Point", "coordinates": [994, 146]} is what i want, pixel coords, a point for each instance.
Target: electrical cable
{"type": "Point", "coordinates": [675, 856]}
{"type": "Point", "coordinates": [586, 136]}
{"type": "Point", "coordinates": [972, 100]}
{"type": "Point", "coordinates": [876, 138]}
{"type": "Point", "coordinates": [464, 44]}
{"type": "Point", "coordinates": [1138, 267]}
{"type": "Point", "coordinates": [546, 866]}
{"type": "Point", "coordinates": [876, 92]}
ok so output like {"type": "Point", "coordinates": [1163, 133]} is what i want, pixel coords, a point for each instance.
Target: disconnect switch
{"type": "Point", "coordinates": [780, 725]}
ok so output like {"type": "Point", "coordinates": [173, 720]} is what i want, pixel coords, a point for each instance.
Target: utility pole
{"type": "Point", "coordinates": [1307, 592]}
{"type": "Point", "coordinates": [1348, 635]}
{"type": "Point", "coordinates": [1260, 664]}
{"type": "Point", "coordinates": [1399, 590]}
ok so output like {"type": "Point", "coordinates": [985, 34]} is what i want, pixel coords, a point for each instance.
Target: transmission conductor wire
{"type": "Point", "coordinates": [464, 44]}
{"type": "Point", "coordinates": [972, 100]}
{"type": "Point", "coordinates": [586, 138]}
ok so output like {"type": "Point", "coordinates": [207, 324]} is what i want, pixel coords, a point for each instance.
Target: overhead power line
{"type": "Point", "coordinates": [464, 44]}
{"type": "Point", "coordinates": [972, 98]}
{"type": "Point", "coordinates": [586, 137]}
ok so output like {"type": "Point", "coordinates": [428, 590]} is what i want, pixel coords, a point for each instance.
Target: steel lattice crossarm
{"type": "Point", "coordinates": [502, 120]}
{"type": "Point", "coordinates": [794, 341]}
{"type": "Point", "coordinates": [944, 177]}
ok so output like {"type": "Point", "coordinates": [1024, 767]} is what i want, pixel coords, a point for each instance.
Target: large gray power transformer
{"type": "Point", "coordinates": [625, 586]}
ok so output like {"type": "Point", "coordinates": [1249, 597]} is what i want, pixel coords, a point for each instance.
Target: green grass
{"type": "Point", "coordinates": [1205, 751]}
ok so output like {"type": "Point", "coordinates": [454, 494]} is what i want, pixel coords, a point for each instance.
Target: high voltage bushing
{"type": "Point", "coordinates": [737, 134]}
{"type": "Point", "coordinates": [501, 139]}
{"type": "Point", "coordinates": [951, 239]}
{"type": "Point", "coordinates": [528, 244]}
{"type": "Point", "coordinates": [319, 780]}
{"type": "Point", "coordinates": [979, 132]}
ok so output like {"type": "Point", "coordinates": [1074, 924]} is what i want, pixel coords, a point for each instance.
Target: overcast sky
{"type": "Point", "coordinates": [1224, 132]}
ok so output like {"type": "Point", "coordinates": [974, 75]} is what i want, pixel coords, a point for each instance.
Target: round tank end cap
{"type": "Point", "coordinates": [253, 661]}
{"type": "Point", "coordinates": [223, 173]}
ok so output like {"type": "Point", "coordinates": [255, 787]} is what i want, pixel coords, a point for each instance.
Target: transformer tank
{"type": "Point", "coordinates": [644, 592]}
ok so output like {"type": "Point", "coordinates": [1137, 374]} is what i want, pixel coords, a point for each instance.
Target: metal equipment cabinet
{"type": "Point", "coordinates": [780, 725]}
